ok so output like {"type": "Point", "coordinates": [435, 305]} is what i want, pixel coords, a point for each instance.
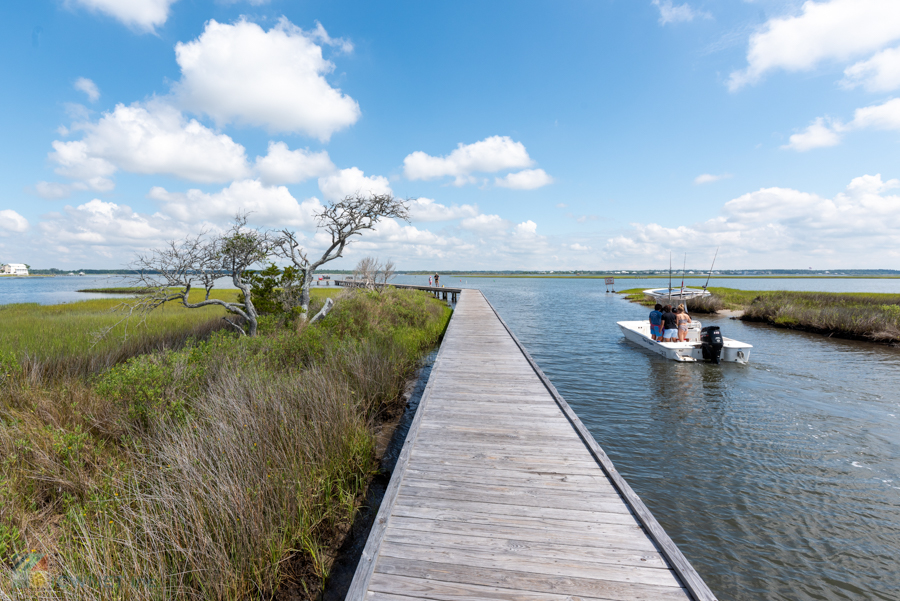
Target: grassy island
{"type": "Point", "coordinates": [195, 463]}
{"type": "Point", "coordinates": [858, 315]}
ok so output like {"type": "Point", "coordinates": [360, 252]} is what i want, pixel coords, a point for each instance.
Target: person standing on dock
{"type": "Point", "coordinates": [656, 323]}
{"type": "Point", "coordinates": [436, 280]}
{"type": "Point", "coordinates": [429, 280]}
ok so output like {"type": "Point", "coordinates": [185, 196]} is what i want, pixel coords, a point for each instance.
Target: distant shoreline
{"type": "Point", "coordinates": [678, 277]}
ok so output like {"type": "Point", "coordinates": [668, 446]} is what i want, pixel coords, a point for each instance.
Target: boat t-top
{"type": "Point", "coordinates": [675, 295]}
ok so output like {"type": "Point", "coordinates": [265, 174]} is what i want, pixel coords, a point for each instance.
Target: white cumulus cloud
{"type": "Point", "coordinates": [427, 209]}
{"type": "Point", "coordinates": [350, 181]}
{"type": "Point", "coordinates": [670, 13]}
{"type": "Point", "coordinates": [103, 225]}
{"type": "Point", "coordinates": [817, 135]}
{"type": "Point", "coordinates": [835, 30]}
{"type": "Point", "coordinates": [528, 179]}
{"type": "Point", "coordinates": [151, 138]}
{"type": "Point", "coordinates": [486, 224]}
{"type": "Point", "coordinates": [284, 166]}
{"type": "Point", "coordinates": [265, 205]}
{"type": "Point", "coordinates": [885, 116]}
{"type": "Point", "coordinates": [784, 228]}
{"type": "Point", "coordinates": [880, 73]}
{"type": "Point", "coordinates": [878, 116]}
{"type": "Point", "coordinates": [144, 15]}
{"type": "Point", "coordinates": [708, 178]}
{"type": "Point", "coordinates": [273, 79]}
{"type": "Point", "coordinates": [12, 221]}
{"type": "Point", "coordinates": [83, 84]}
{"type": "Point", "coordinates": [496, 153]}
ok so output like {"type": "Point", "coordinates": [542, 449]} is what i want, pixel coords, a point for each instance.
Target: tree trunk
{"type": "Point", "coordinates": [304, 297]}
{"type": "Point", "coordinates": [249, 309]}
{"type": "Point", "coordinates": [329, 303]}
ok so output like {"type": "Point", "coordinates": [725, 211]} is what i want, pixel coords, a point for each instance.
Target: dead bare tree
{"type": "Point", "coordinates": [386, 271]}
{"type": "Point", "coordinates": [370, 271]}
{"type": "Point", "coordinates": [343, 220]}
{"type": "Point", "coordinates": [199, 261]}
{"type": "Point", "coordinates": [366, 271]}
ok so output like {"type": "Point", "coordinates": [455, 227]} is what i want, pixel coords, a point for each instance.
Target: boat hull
{"type": "Point", "coordinates": [638, 332]}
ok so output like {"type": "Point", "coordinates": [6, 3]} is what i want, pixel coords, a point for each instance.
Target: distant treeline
{"type": "Point", "coordinates": [693, 273]}
{"type": "Point", "coordinates": [55, 271]}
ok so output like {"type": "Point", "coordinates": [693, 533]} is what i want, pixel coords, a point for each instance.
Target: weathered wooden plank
{"type": "Point", "coordinates": [513, 579]}
{"type": "Point", "coordinates": [576, 497]}
{"type": "Point", "coordinates": [631, 537]}
{"type": "Point", "coordinates": [406, 589]}
{"type": "Point", "coordinates": [514, 547]}
{"type": "Point", "coordinates": [498, 475]}
{"type": "Point", "coordinates": [551, 566]}
{"type": "Point", "coordinates": [560, 522]}
{"type": "Point", "coordinates": [504, 455]}
{"type": "Point", "coordinates": [585, 487]}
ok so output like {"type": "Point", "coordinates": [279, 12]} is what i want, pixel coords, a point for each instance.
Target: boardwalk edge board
{"type": "Point", "coordinates": [692, 581]}
{"type": "Point", "coordinates": [366, 566]}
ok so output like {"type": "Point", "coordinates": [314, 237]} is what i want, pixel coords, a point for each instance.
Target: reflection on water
{"type": "Point", "coordinates": [779, 479]}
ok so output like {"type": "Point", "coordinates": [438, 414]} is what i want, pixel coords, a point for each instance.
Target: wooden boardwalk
{"type": "Point", "coordinates": [501, 493]}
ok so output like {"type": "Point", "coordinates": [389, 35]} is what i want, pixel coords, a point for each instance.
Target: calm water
{"type": "Point", "coordinates": [55, 290]}
{"type": "Point", "coordinates": [778, 480]}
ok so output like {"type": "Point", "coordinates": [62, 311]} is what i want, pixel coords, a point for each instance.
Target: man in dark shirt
{"type": "Point", "coordinates": [656, 322]}
{"type": "Point", "coordinates": [670, 325]}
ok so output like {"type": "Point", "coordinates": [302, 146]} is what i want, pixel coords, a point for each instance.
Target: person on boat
{"type": "Point", "coordinates": [656, 322]}
{"type": "Point", "coordinates": [670, 325]}
{"type": "Point", "coordinates": [683, 320]}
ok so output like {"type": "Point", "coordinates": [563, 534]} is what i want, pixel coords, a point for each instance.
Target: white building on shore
{"type": "Point", "coordinates": [14, 269]}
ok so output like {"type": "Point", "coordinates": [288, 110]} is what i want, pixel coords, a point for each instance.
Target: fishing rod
{"type": "Point", "coordinates": [683, 268]}
{"type": "Point", "coordinates": [711, 268]}
{"type": "Point", "coordinates": [670, 277]}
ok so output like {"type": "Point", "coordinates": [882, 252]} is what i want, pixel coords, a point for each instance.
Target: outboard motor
{"type": "Point", "coordinates": [711, 342]}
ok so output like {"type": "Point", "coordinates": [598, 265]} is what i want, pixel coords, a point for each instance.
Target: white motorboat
{"type": "Point", "coordinates": [674, 295]}
{"type": "Point", "coordinates": [701, 345]}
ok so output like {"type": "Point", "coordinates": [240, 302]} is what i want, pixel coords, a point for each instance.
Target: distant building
{"type": "Point", "coordinates": [14, 269]}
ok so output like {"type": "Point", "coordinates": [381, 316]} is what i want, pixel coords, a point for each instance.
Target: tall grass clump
{"type": "Point", "coordinates": [227, 469]}
{"type": "Point", "coordinates": [704, 304]}
{"type": "Point", "coordinates": [859, 315]}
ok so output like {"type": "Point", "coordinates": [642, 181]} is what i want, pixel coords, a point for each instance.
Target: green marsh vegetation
{"type": "Point", "coordinates": [218, 467]}
{"type": "Point", "coordinates": [856, 315]}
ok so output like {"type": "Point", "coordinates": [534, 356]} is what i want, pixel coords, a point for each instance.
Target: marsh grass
{"type": "Point", "coordinates": [226, 469]}
{"type": "Point", "coordinates": [859, 315]}
{"type": "Point", "coordinates": [86, 337]}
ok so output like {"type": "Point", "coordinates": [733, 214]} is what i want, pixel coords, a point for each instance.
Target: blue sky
{"type": "Point", "coordinates": [535, 135]}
